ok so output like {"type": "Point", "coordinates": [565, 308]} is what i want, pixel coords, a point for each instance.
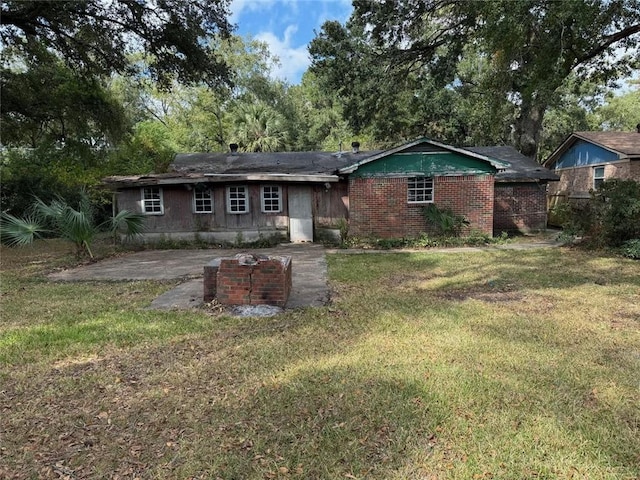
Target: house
{"type": "Point", "coordinates": [586, 159]}
{"type": "Point", "coordinates": [520, 191]}
{"type": "Point", "coordinates": [306, 196]}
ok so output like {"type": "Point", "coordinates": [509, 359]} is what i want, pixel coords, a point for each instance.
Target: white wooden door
{"type": "Point", "coordinates": [300, 214]}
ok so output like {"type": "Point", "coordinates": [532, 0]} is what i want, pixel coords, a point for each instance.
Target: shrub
{"type": "Point", "coordinates": [631, 249]}
{"type": "Point", "coordinates": [608, 219]}
{"type": "Point", "coordinates": [617, 206]}
{"type": "Point", "coordinates": [444, 221]}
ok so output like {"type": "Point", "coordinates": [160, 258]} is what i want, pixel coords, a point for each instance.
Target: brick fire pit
{"type": "Point", "coordinates": [248, 279]}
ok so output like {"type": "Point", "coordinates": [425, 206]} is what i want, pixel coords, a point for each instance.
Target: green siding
{"type": "Point", "coordinates": [427, 164]}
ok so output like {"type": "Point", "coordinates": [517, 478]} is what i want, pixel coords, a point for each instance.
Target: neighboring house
{"type": "Point", "coordinates": [586, 159]}
{"type": "Point", "coordinates": [304, 196]}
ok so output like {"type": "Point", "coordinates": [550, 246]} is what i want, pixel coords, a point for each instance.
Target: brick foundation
{"type": "Point", "coordinates": [248, 280]}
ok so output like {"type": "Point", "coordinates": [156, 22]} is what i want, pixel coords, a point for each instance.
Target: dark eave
{"type": "Point", "coordinates": [182, 179]}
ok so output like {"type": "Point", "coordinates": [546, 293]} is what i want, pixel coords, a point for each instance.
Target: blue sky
{"type": "Point", "coordinates": [287, 26]}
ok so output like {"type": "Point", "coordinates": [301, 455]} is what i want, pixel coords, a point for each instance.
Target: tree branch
{"type": "Point", "coordinates": [608, 41]}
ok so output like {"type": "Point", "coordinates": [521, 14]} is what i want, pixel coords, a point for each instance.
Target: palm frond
{"type": "Point", "coordinates": [19, 232]}
{"type": "Point", "coordinates": [132, 223]}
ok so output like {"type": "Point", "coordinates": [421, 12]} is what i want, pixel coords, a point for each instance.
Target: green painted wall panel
{"type": "Point", "coordinates": [427, 164]}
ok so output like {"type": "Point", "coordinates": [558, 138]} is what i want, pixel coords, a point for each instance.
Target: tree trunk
{"type": "Point", "coordinates": [528, 127]}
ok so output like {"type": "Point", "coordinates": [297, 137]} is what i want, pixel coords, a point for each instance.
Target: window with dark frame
{"type": "Point", "coordinates": [420, 190]}
{"type": "Point", "coordinates": [152, 203]}
{"type": "Point", "coordinates": [237, 199]}
{"type": "Point", "coordinates": [271, 199]}
{"type": "Point", "coordinates": [202, 200]}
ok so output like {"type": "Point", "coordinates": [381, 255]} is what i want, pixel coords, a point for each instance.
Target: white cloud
{"type": "Point", "coordinates": [293, 60]}
{"type": "Point", "coordinates": [277, 23]}
{"type": "Point", "coordinates": [339, 10]}
{"type": "Point", "coordinates": [237, 7]}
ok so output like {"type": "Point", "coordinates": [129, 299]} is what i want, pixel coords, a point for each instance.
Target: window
{"type": "Point", "coordinates": [598, 177]}
{"type": "Point", "coordinates": [202, 201]}
{"type": "Point", "coordinates": [152, 203]}
{"type": "Point", "coordinates": [237, 199]}
{"type": "Point", "coordinates": [420, 190]}
{"type": "Point", "coordinates": [271, 199]}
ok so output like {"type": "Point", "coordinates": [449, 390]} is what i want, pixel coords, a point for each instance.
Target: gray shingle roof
{"type": "Point", "coordinates": [301, 163]}
{"type": "Point", "coordinates": [521, 168]}
{"type": "Point", "coordinates": [194, 167]}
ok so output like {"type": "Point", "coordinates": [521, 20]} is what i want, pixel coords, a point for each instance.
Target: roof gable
{"type": "Point", "coordinates": [424, 156]}
{"type": "Point", "coordinates": [621, 144]}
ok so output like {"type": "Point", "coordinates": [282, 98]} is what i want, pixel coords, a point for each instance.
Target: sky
{"type": "Point", "coordinates": [287, 26]}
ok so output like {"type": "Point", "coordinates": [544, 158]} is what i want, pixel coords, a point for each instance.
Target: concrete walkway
{"type": "Point", "coordinates": [309, 269]}
{"type": "Point", "coordinates": [308, 263]}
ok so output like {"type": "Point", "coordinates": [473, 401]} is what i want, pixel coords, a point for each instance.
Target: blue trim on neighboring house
{"type": "Point", "coordinates": [582, 154]}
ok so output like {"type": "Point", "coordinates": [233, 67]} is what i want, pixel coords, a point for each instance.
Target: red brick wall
{"type": "Point", "coordinates": [378, 206]}
{"type": "Point", "coordinates": [519, 207]}
{"type": "Point", "coordinates": [267, 281]}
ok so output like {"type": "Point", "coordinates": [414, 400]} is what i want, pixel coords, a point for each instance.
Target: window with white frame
{"type": "Point", "coordinates": [420, 190]}
{"type": "Point", "coordinates": [598, 177]}
{"type": "Point", "coordinates": [152, 203]}
{"type": "Point", "coordinates": [202, 200]}
{"type": "Point", "coordinates": [271, 199]}
{"type": "Point", "coordinates": [238, 199]}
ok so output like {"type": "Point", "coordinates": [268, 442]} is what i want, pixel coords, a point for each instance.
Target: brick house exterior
{"type": "Point", "coordinates": [586, 158]}
{"type": "Point", "coordinates": [520, 191]}
{"type": "Point", "coordinates": [380, 208]}
{"type": "Point", "coordinates": [519, 207]}
{"type": "Point", "coordinates": [307, 196]}
{"type": "Point", "coordinates": [381, 198]}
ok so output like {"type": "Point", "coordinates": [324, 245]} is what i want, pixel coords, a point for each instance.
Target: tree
{"type": "Point", "coordinates": [74, 112]}
{"type": "Point", "coordinates": [375, 100]}
{"type": "Point", "coordinates": [530, 47]}
{"type": "Point", "coordinates": [320, 123]}
{"type": "Point", "coordinates": [259, 128]}
{"type": "Point", "coordinates": [572, 113]}
{"type": "Point", "coordinates": [619, 112]}
{"type": "Point", "coordinates": [95, 37]}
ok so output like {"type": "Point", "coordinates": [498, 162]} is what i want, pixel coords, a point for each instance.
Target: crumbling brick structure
{"type": "Point", "coordinates": [248, 280]}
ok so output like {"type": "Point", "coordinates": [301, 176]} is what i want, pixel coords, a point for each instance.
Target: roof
{"type": "Point", "coordinates": [301, 163]}
{"type": "Point", "coordinates": [492, 161]}
{"type": "Point", "coordinates": [521, 168]}
{"type": "Point", "coordinates": [317, 166]}
{"type": "Point", "coordinates": [625, 144]}
{"type": "Point", "coordinates": [247, 166]}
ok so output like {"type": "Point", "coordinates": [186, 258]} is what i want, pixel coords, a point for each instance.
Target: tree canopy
{"type": "Point", "coordinates": [523, 51]}
{"type": "Point", "coordinates": [95, 37]}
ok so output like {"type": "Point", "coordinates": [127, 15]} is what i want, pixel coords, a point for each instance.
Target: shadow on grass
{"type": "Point", "coordinates": [254, 399]}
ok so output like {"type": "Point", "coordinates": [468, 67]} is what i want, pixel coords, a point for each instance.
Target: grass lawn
{"type": "Point", "coordinates": [498, 364]}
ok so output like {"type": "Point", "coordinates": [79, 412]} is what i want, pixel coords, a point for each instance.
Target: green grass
{"type": "Point", "coordinates": [499, 364]}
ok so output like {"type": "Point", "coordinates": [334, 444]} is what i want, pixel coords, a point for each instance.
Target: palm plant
{"type": "Point", "coordinates": [259, 128]}
{"type": "Point", "coordinates": [444, 221]}
{"type": "Point", "coordinates": [76, 225]}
